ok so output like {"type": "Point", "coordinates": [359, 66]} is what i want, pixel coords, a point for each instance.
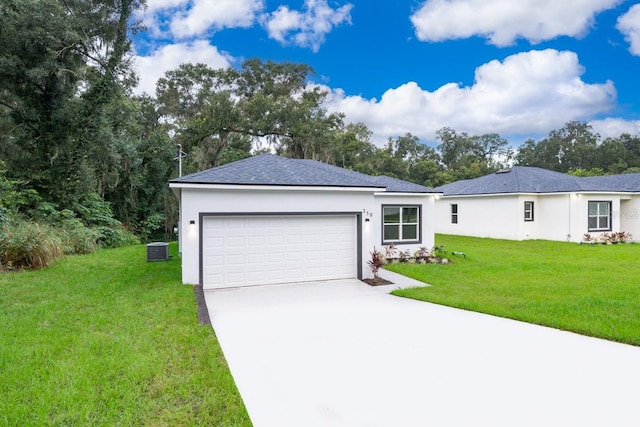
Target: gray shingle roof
{"type": "Point", "coordinates": [269, 169]}
{"type": "Point", "coordinates": [523, 179]}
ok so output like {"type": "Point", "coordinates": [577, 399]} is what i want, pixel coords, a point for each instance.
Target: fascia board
{"type": "Point", "coordinates": [270, 187]}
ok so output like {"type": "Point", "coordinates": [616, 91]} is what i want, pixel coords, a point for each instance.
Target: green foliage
{"type": "Point", "coordinates": [70, 232]}
{"type": "Point", "coordinates": [467, 157]}
{"type": "Point", "coordinates": [63, 68]}
{"type": "Point", "coordinates": [115, 237]}
{"type": "Point", "coordinates": [13, 197]}
{"type": "Point", "coordinates": [261, 102]}
{"type": "Point", "coordinates": [78, 239]}
{"type": "Point", "coordinates": [587, 172]}
{"type": "Point", "coordinates": [152, 226]}
{"type": "Point", "coordinates": [93, 210]}
{"type": "Point", "coordinates": [576, 150]}
{"type": "Point", "coordinates": [25, 244]}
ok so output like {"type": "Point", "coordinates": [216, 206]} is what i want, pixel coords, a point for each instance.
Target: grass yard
{"type": "Point", "coordinates": [589, 289]}
{"type": "Point", "coordinates": [110, 339]}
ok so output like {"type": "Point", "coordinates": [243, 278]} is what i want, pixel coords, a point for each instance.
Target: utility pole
{"type": "Point", "coordinates": [179, 157]}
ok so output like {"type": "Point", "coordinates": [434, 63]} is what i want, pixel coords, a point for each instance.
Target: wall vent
{"type": "Point", "coordinates": [158, 251]}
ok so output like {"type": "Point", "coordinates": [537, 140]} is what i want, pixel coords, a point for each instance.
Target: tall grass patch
{"type": "Point", "coordinates": [26, 244]}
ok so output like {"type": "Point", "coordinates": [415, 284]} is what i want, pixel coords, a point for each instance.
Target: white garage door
{"type": "Point", "coordinates": [251, 250]}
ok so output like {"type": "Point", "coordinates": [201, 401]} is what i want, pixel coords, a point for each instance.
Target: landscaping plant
{"type": "Point", "coordinates": [376, 262]}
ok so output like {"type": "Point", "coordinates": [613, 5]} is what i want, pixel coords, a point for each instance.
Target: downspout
{"type": "Point", "coordinates": [569, 225]}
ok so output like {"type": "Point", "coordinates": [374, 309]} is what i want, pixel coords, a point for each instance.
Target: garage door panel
{"type": "Point", "coordinates": [244, 251]}
{"type": "Point", "coordinates": [215, 260]}
{"type": "Point", "coordinates": [214, 241]}
{"type": "Point", "coordinates": [256, 241]}
{"type": "Point", "coordinates": [258, 258]}
{"type": "Point", "coordinates": [277, 239]}
{"type": "Point", "coordinates": [236, 260]}
{"type": "Point", "coordinates": [313, 255]}
{"type": "Point", "coordinates": [275, 276]}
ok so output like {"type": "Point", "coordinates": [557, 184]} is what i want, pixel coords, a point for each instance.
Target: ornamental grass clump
{"type": "Point", "coordinates": [25, 244]}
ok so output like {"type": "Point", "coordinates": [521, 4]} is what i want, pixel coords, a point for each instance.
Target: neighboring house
{"type": "Point", "coordinates": [533, 203]}
{"type": "Point", "coordinates": [268, 219]}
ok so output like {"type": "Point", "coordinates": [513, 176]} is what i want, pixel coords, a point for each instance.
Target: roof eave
{"type": "Point", "coordinates": [272, 187]}
{"type": "Point", "coordinates": [407, 193]}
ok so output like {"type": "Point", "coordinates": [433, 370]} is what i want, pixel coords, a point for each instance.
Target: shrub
{"type": "Point", "coordinates": [152, 226]}
{"type": "Point", "coordinates": [26, 244]}
{"type": "Point", "coordinates": [608, 238]}
{"type": "Point", "coordinates": [93, 210]}
{"type": "Point", "coordinates": [79, 239]}
{"type": "Point", "coordinates": [114, 237]}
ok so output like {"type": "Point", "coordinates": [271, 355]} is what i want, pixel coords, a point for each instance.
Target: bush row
{"type": "Point", "coordinates": [28, 244]}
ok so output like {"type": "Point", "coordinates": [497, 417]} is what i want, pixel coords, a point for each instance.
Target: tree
{"type": "Point", "coordinates": [61, 67]}
{"type": "Point", "coordinates": [611, 156]}
{"type": "Point", "coordinates": [466, 157]}
{"type": "Point", "coordinates": [492, 149]}
{"type": "Point", "coordinates": [353, 148]}
{"type": "Point", "coordinates": [632, 145]}
{"type": "Point", "coordinates": [572, 147]}
{"type": "Point", "coordinates": [261, 103]}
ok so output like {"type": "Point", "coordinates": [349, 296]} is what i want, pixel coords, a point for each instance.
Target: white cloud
{"type": "Point", "coordinates": [613, 127]}
{"type": "Point", "coordinates": [530, 92]}
{"type": "Point", "coordinates": [307, 28]}
{"type": "Point", "coordinates": [189, 18]}
{"type": "Point", "coordinates": [504, 21]}
{"type": "Point", "coordinates": [629, 25]}
{"type": "Point", "coordinates": [155, 5]}
{"type": "Point", "coordinates": [206, 15]}
{"type": "Point", "coordinates": [151, 68]}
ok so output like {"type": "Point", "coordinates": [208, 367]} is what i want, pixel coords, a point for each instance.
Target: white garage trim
{"type": "Point", "coordinates": [352, 216]}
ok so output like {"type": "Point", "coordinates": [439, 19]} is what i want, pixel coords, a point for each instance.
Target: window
{"type": "Point", "coordinates": [401, 224]}
{"type": "Point", "coordinates": [454, 213]}
{"type": "Point", "coordinates": [599, 216]}
{"type": "Point", "coordinates": [528, 211]}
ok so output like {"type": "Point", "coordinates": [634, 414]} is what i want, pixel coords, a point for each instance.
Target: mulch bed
{"type": "Point", "coordinates": [203, 313]}
{"type": "Point", "coordinates": [377, 281]}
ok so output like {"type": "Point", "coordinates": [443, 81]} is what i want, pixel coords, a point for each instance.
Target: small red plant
{"type": "Point", "coordinates": [376, 262]}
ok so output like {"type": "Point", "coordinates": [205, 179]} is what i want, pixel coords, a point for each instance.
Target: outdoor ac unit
{"type": "Point", "coordinates": [158, 251]}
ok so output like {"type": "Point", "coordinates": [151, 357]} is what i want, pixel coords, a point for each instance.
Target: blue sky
{"type": "Point", "coordinates": [518, 68]}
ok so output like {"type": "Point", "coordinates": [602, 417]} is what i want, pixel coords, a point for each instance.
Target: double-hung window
{"type": "Point", "coordinates": [599, 216]}
{"type": "Point", "coordinates": [528, 211]}
{"type": "Point", "coordinates": [401, 224]}
{"type": "Point", "coordinates": [454, 213]}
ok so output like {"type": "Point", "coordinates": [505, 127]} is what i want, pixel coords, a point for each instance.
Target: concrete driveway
{"type": "Point", "coordinates": [342, 353]}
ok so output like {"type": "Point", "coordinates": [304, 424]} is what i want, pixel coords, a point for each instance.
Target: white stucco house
{"type": "Point", "coordinates": [533, 203]}
{"type": "Point", "coordinates": [268, 219]}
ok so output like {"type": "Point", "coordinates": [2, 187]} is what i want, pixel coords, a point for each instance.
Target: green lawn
{"type": "Point", "coordinates": [589, 289]}
{"type": "Point", "coordinates": [109, 339]}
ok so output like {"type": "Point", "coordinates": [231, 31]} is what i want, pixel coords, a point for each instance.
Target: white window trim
{"type": "Point", "coordinates": [529, 212]}
{"type": "Point", "coordinates": [598, 215]}
{"type": "Point", "coordinates": [454, 214]}
{"type": "Point", "coordinates": [401, 223]}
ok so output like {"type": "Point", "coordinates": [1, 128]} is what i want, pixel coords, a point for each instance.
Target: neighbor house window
{"type": "Point", "coordinates": [454, 213]}
{"type": "Point", "coordinates": [528, 211]}
{"type": "Point", "coordinates": [599, 216]}
{"type": "Point", "coordinates": [401, 224]}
